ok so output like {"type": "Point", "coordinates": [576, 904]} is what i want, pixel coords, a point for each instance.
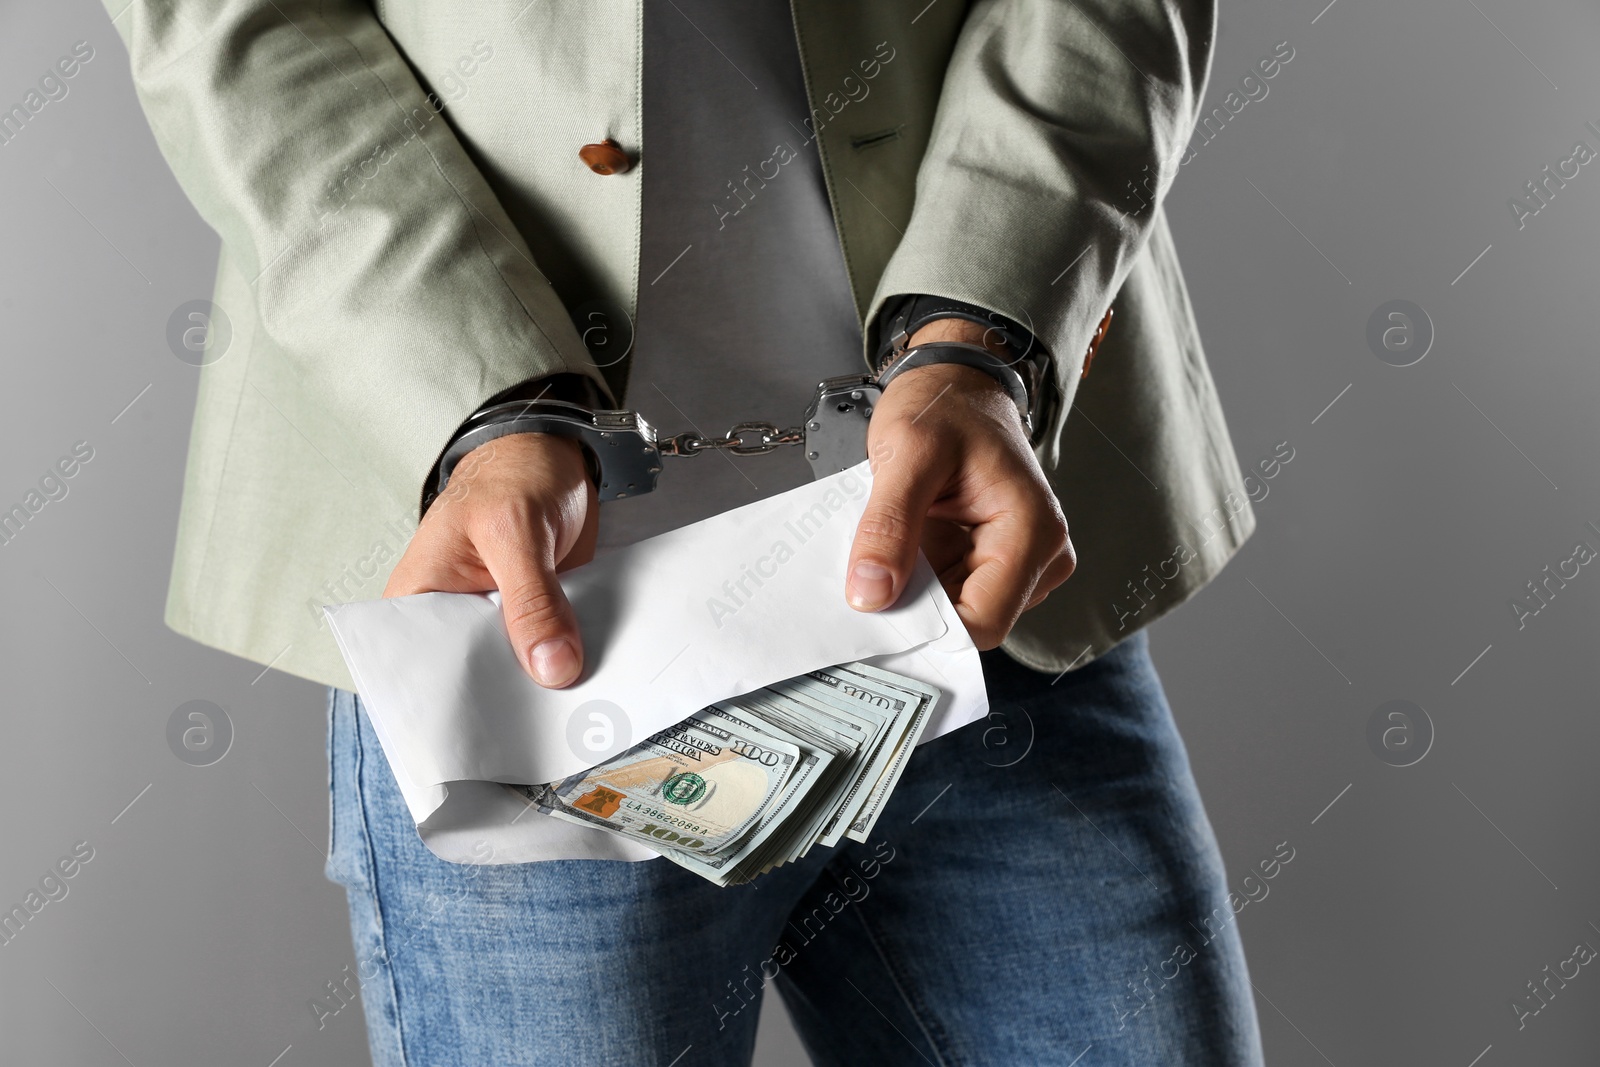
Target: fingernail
{"type": "Point", "coordinates": [870, 586]}
{"type": "Point", "coordinates": [555, 662]}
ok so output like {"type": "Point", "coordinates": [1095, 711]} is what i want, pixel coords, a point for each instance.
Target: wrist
{"type": "Point", "coordinates": [937, 397]}
{"type": "Point", "coordinates": [917, 330]}
{"type": "Point", "coordinates": [998, 367]}
{"type": "Point", "coordinates": [543, 419]}
{"type": "Point", "coordinates": [909, 318]}
{"type": "Point", "coordinates": [564, 386]}
{"type": "Point", "coordinates": [501, 469]}
{"type": "Point", "coordinates": [962, 330]}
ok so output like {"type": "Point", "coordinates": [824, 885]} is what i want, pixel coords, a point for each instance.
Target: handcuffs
{"type": "Point", "coordinates": [626, 451]}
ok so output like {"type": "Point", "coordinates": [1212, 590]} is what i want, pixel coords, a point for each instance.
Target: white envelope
{"type": "Point", "coordinates": [719, 608]}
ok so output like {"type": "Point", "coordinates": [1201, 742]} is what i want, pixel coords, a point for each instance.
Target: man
{"type": "Point", "coordinates": [427, 212]}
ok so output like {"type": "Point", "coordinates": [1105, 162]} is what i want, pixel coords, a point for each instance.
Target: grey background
{"type": "Point", "coordinates": [1417, 906]}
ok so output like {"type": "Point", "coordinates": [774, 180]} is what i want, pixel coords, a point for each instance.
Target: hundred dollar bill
{"type": "Point", "coordinates": [861, 727]}
{"type": "Point", "coordinates": [696, 787]}
{"type": "Point", "coordinates": [737, 865]}
{"type": "Point", "coordinates": [752, 783]}
{"type": "Point", "coordinates": [821, 728]}
{"type": "Point", "coordinates": [895, 710]}
{"type": "Point", "coordinates": [909, 703]}
{"type": "Point", "coordinates": [922, 697]}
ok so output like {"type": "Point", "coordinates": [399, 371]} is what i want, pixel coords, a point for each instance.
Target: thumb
{"type": "Point", "coordinates": [889, 534]}
{"type": "Point", "coordinates": [539, 620]}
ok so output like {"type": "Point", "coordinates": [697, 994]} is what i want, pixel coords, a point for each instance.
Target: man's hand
{"type": "Point", "coordinates": [953, 473]}
{"type": "Point", "coordinates": [516, 511]}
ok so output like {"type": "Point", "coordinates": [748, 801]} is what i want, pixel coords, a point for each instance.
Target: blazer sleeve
{"type": "Point", "coordinates": [401, 308]}
{"type": "Point", "coordinates": [1059, 126]}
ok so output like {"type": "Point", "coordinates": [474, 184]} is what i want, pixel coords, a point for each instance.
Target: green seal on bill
{"type": "Point", "coordinates": [684, 788]}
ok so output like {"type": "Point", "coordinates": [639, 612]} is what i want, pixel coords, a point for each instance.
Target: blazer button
{"type": "Point", "coordinates": [607, 157]}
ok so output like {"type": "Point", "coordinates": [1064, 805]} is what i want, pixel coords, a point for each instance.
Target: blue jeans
{"type": "Point", "coordinates": [1027, 898]}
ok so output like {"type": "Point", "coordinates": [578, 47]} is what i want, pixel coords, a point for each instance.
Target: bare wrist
{"type": "Point", "coordinates": [971, 333]}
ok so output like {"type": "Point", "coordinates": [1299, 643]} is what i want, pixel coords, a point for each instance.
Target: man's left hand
{"type": "Point", "coordinates": [953, 473]}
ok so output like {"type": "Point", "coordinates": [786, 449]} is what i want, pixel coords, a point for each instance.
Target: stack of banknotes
{"type": "Point", "coordinates": [751, 783]}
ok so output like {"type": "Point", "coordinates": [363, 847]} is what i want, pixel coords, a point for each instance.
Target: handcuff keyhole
{"type": "Point", "coordinates": [846, 407]}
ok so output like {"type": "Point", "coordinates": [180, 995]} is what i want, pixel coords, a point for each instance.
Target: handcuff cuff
{"type": "Point", "coordinates": [625, 451]}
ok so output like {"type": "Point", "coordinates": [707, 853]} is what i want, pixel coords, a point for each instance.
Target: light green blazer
{"type": "Point", "coordinates": [407, 230]}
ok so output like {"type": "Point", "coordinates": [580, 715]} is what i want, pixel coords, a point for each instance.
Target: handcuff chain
{"type": "Point", "coordinates": [769, 439]}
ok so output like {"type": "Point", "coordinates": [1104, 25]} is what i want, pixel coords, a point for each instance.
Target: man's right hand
{"type": "Point", "coordinates": [517, 510]}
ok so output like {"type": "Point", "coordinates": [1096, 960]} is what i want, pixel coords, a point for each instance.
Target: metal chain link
{"type": "Point", "coordinates": [769, 439]}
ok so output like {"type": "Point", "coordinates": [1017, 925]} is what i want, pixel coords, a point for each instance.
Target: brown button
{"type": "Point", "coordinates": [1094, 343]}
{"type": "Point", "coordinates": [607, 157]}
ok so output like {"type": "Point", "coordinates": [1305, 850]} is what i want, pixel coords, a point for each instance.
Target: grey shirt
{"type": "Point", "coordinates": [744, 304]}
